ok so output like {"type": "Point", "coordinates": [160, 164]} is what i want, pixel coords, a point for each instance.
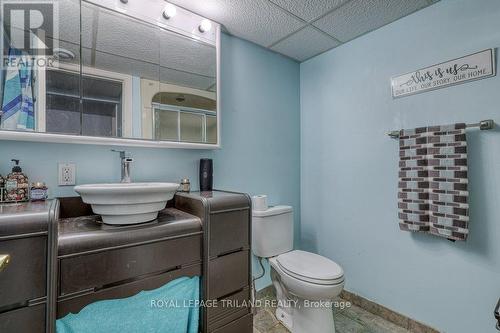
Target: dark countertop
{"type": "Point", "coordinates": [24, 218]}
{"type": "Point", "coordinates": [88, 233]}
{"type": "Point", "coordinates": [219, 200]}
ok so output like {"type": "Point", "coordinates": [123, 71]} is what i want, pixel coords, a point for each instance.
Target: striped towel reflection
{"type": "Point", "coordinates": [17, 105]}
{"type": "Point", "coordinates": [433, 195]}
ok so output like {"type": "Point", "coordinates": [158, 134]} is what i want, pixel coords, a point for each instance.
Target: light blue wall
{"type": "Point", "coordinates": [260, 123]}
{"type": "Point", "coordinates": [349, 167]}
{"type": "Point", "coordinates": [260, 127]}
{"type": "Point", "coordinates": [260, 137]}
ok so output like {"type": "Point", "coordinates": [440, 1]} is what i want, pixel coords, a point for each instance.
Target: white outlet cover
{"type": "Point", "coordinates": [67, 174]}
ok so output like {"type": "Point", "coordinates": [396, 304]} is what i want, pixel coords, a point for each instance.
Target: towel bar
{"type": "Point", "coordinates": [482, 125]}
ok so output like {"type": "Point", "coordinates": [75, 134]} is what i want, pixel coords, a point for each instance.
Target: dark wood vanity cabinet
{"type": "Point", "coordinates": [226, 219]}
{"type": "Point", "coordinates": [23, 273]}
{"type": "Point", "coordinates": [63, 258]}
{"type": "Point", "coordinates": [97, 262]}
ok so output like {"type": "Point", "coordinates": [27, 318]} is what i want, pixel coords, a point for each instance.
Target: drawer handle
{"type": "Point", "coordinates": [4, 261]}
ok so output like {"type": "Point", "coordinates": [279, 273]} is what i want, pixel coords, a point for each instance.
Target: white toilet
{"type": "Point", "coordinates": [306, 283]}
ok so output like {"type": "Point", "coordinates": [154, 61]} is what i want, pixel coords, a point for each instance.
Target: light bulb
{"type": "Point", "coordinates": [205, 26]}
{"type": "Point", "coordinates": [169, 11]}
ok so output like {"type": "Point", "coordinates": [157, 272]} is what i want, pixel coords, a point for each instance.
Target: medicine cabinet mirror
{"type": "Point", "coordinates": [137, 72]}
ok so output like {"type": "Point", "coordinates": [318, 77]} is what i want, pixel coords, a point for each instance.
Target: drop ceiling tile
{"type": "Point", "coordinates": [117, 64]}
{"type": "Point", "coordinates": [305, 44]}
{"type": "Point", "coordinates": [174, 49]}
{"type": "Point", "coordinates": [88, 18]}
{"type": "Point", "coordinates": [309, 10]}
{"type": "Point", "coordinates": [360, 16]}
{"type": "Point", "coordinates": [68, 21]}
{"type": "Point", "coordinates": [184, 79]}
{"type": "Point", "coordinates": [119, 35]}
{"type": "Point", "coordinates": [258, 21]}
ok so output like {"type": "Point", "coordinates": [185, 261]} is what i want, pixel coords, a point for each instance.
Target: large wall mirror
{"type": "Point", "coordinates": [137, 72]}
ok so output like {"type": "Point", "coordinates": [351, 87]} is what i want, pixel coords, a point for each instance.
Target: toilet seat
{"type": "Point", "coordinates": [310, 267]}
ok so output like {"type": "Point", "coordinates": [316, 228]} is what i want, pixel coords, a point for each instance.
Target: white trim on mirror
{"type": "Point", "coordinates": [90, 140]}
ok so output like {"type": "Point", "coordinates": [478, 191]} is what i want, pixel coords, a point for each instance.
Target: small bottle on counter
{"type": "Point", "coordinates": [2, 186]}
{"type": "Point", "coordinates": [39, 191]}
{"type": "Point", "coordinates": [185, 185]}
{"type": "Point", "coordinates": [16, 184]}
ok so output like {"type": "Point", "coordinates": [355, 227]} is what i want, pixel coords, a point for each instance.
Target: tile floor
{"type": "Point", "coordinates": [351, 319]}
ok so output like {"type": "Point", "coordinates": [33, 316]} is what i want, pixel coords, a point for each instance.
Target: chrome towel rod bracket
{"type": "Point", "coordinates": [482, 125]}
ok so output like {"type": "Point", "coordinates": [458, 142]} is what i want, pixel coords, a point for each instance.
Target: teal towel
{"type": "Point", "coordinates": [172, 308]}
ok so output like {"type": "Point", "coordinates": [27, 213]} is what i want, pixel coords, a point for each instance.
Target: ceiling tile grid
{"type": "Point", "coordinates": [305, 44]}
{"type": "Point", "coordinates": [361, 16]}
{"type": "Point", "coordinates": [301, 29]}
{"type": "Point", "coordinates": [309, 10]}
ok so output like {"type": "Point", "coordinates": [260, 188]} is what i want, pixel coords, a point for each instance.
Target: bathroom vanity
{"type": "Point", "coordinates": [24, 232]}
{"type": "Point", "coordinates": [226, 219]}
{"type": "Point", "coordinates": [62, 258]}
{"type": "Point", "coordinates": [96, 261]}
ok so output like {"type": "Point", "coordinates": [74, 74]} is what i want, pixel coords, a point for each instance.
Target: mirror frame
{"type": "Point", "coordinates": [183, 29]}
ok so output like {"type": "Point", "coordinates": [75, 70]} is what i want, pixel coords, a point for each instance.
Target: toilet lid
{"type": "Point", "coordinates": [310, 267]}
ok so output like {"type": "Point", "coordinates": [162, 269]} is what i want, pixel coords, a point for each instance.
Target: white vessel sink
{"type": "Point", "coordinates": [127, 203]}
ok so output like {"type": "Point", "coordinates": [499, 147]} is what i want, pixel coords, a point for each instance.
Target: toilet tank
{"type": "Point", "coordinates": [272, 231]}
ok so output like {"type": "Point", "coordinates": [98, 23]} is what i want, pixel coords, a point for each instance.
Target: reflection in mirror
{"type": "Point", "coordinates": [185, 102]}
{"type": "Point", "coordinates": [184, 117]}
{"type": "Point", "coordinates": [26, 104]}
{"type": "Point", "coordinates": [117, 77]}
{"type": "Point", "coordinates": [117, 51]}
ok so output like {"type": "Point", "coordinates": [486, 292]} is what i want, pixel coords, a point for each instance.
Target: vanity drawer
{"type": "Point", "coordinates": [229, 308]}
{"type": "Point", "coordinates": [75, 304]}
{"type": "Point", "coordinates": [227, 274]}
{"type": "Point", "coordinates": [24, 278]}
{"type": "Point", "coordinates": [24, 320]}
{"type": "Point", "coordinates": [242, 325]}
{"type": "Point", "coordinates": [108, 267]}
{"type": "Point", "coordinates": [229, 231]}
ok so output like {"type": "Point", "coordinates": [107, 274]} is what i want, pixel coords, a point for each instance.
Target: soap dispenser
{"type": "Point", "coordinates": [16, 184]}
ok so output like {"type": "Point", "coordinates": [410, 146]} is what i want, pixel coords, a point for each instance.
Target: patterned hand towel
{"type": "Point", "coordinates": [433, 194]}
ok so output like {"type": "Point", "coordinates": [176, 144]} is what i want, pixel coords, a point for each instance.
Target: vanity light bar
{"type": "Point", "coordinates": [167, 15]}
{"type": "Point", "coordinates": [482, 125]}
{"type": "Point", "coordinates": [170, 10]}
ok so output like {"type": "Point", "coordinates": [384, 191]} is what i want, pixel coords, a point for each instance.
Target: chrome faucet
{"type": "Point", "coordinates": [126, 160]}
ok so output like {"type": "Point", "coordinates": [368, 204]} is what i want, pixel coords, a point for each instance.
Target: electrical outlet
{"type": "Point", "coordinates": [67, 174]}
